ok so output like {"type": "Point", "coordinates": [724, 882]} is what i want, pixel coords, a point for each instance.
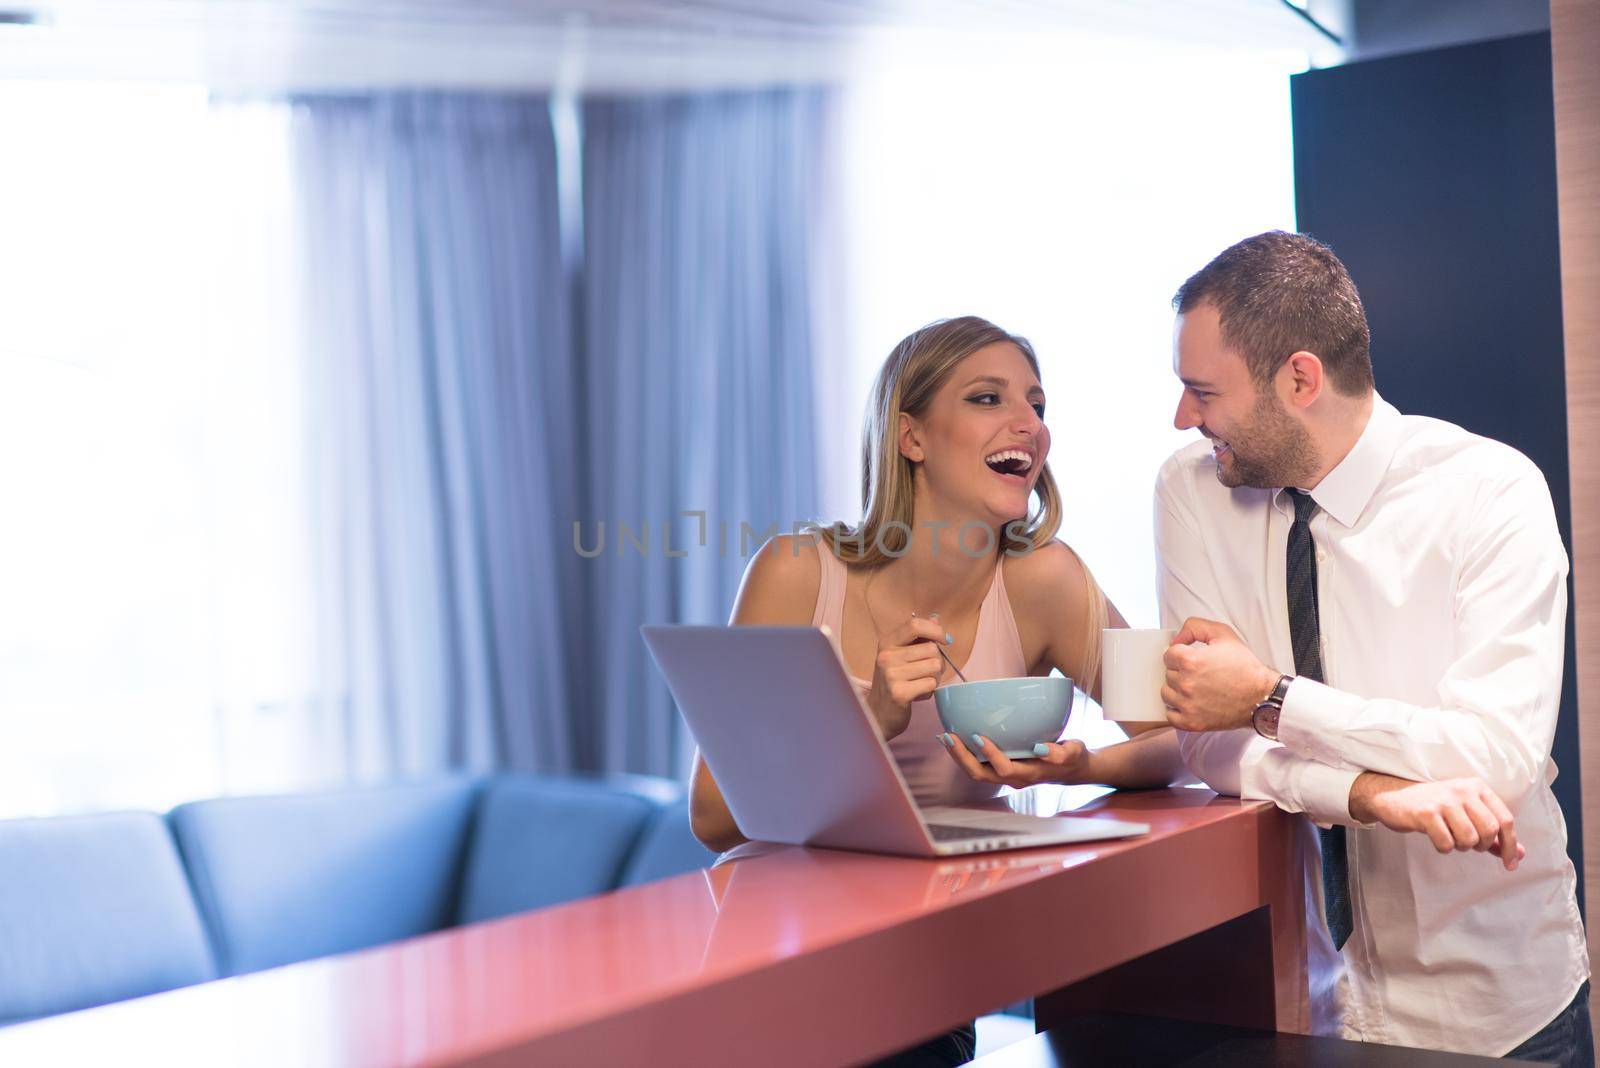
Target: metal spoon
{"type": "Point", "coordinates": [942, 653]}
{"type": "Point", "coordinates": [952, 663]}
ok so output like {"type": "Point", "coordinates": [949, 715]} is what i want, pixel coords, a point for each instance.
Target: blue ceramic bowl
{"type": "Point", "coordinates": [1015, 714]}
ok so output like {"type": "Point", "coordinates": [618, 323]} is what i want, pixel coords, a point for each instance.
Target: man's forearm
{"type": "Point", "coordinates": [1343, 729]}
{"type": "Point", "coordinates": [1456, 814]}
{"type": "Point", "coordinates": [1368, 786]}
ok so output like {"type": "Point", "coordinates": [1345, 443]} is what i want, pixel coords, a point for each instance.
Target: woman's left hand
{"type": "Point", "coordinates": [1065, 762]}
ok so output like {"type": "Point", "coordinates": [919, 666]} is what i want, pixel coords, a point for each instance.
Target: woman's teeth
{"type": "Point", "coordinates": [1013, 463]}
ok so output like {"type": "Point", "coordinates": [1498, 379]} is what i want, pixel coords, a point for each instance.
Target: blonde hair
{"type": "Point", "coordinates": [1096, 617]}
{"type": "Point", "coordinates": [907, 382]}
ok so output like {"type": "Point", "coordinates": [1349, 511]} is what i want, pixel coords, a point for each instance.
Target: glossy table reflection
{"type": "Point", "coordinates": [794, 957]}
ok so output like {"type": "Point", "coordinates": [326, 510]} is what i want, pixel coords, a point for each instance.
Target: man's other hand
{"type": "Point", "coordinates": [1455, 814]}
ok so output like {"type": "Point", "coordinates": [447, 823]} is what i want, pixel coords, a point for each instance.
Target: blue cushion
{"type": "Point", "coordinates": [283, 879]}
{"type": "Point", "coordinates": [544, 841]}
{"type": "Point", "coordinates": [667, 847]}
{"type": "Point", "coordinates": [93, 909]}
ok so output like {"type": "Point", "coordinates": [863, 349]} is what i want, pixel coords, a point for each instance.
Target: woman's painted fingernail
{"type": "Point", "coordinates": [1041, 750]}
{"type": "Point", "coordinates": [977, 740]}
{"type": "Point", "coordinates": [949, 639]}
{"type": "Point", "coordinates": [933, 615]}
{"type": "Point", "coordinates": [944, 740]}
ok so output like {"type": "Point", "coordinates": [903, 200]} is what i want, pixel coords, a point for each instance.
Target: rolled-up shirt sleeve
{"type": "Point", "coordinates": [1236, 762]}
{"type": "Point", "coordinates": [1495, 716]}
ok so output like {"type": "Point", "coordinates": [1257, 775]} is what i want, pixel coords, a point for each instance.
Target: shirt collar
{"type": "Point", "coordinates": [1344, 492]}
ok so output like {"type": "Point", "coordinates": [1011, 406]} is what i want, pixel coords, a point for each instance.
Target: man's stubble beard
{"type": "Point", "coordinates": [1279, 451]}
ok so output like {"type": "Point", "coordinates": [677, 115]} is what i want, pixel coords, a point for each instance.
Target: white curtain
{"type": "Point", "coordinates": [701, 361]}
{"type": "Point", "coordinates": [443, 422]}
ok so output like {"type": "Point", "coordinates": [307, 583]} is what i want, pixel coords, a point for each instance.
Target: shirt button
{"type": "Point", "coordinates": [1322, 554]}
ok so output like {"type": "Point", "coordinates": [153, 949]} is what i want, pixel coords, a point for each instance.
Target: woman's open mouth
{"type": "Point", "coordinates": [1012, 465]}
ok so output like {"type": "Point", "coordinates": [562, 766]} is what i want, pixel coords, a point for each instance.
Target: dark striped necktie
{"type": "Point", "coordinates": [1305, 633]}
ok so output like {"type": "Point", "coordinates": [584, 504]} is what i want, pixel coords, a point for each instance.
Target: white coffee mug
{"type": "Point", "coordinates": [1132, 674]}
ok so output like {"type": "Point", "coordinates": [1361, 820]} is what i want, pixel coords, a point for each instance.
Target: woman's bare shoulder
{"type": "Point", "coordinates": [1046, 578]}
{"type": "Point", "coordinates": [780, 584]}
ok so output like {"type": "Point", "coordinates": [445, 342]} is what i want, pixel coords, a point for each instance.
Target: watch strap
{"type": "Point", "coordinates": [1265, 717]}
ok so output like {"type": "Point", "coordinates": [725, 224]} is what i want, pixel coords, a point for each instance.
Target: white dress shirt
{"type": "Point", "coordinates": [1442, 606]}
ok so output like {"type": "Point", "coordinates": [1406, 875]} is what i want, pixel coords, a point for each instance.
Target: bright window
{"type": "Point", "coordinates": [151, 554]}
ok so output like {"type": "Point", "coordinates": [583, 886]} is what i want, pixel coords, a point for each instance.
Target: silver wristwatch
{"type": "Point", "coordinates": [1265, 717]}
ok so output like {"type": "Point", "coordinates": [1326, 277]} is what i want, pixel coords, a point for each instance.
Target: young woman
{"type": "Point", "coordinates": [949, 554]}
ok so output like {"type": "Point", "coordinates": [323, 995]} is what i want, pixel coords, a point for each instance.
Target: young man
{"type": "Point", "coordinates": [1372, 613]}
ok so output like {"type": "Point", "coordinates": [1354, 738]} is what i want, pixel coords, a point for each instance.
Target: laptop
{"type": "Point", "coordinates": [801, 761]}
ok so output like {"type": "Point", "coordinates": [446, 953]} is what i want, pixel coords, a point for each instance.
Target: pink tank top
{"type": "Point", "coordinates": [934, 778]}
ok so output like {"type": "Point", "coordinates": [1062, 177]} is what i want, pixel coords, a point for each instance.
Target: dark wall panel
{"type": "Point", "coordinates": [1433, 177]}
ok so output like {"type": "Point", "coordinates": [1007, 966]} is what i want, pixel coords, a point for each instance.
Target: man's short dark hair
{"type": "Point", "coordinates": [1277, 294]}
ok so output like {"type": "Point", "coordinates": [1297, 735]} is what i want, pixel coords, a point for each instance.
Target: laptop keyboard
{"type": "Point", "coordinates": [943, 832]}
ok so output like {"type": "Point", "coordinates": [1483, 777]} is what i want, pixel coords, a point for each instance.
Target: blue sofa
{"type": "Point", "coordinates": [95, 909]}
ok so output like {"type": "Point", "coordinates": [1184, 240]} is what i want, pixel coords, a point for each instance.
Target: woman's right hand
{"type": "Point", "coordinates": [908, 666]}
